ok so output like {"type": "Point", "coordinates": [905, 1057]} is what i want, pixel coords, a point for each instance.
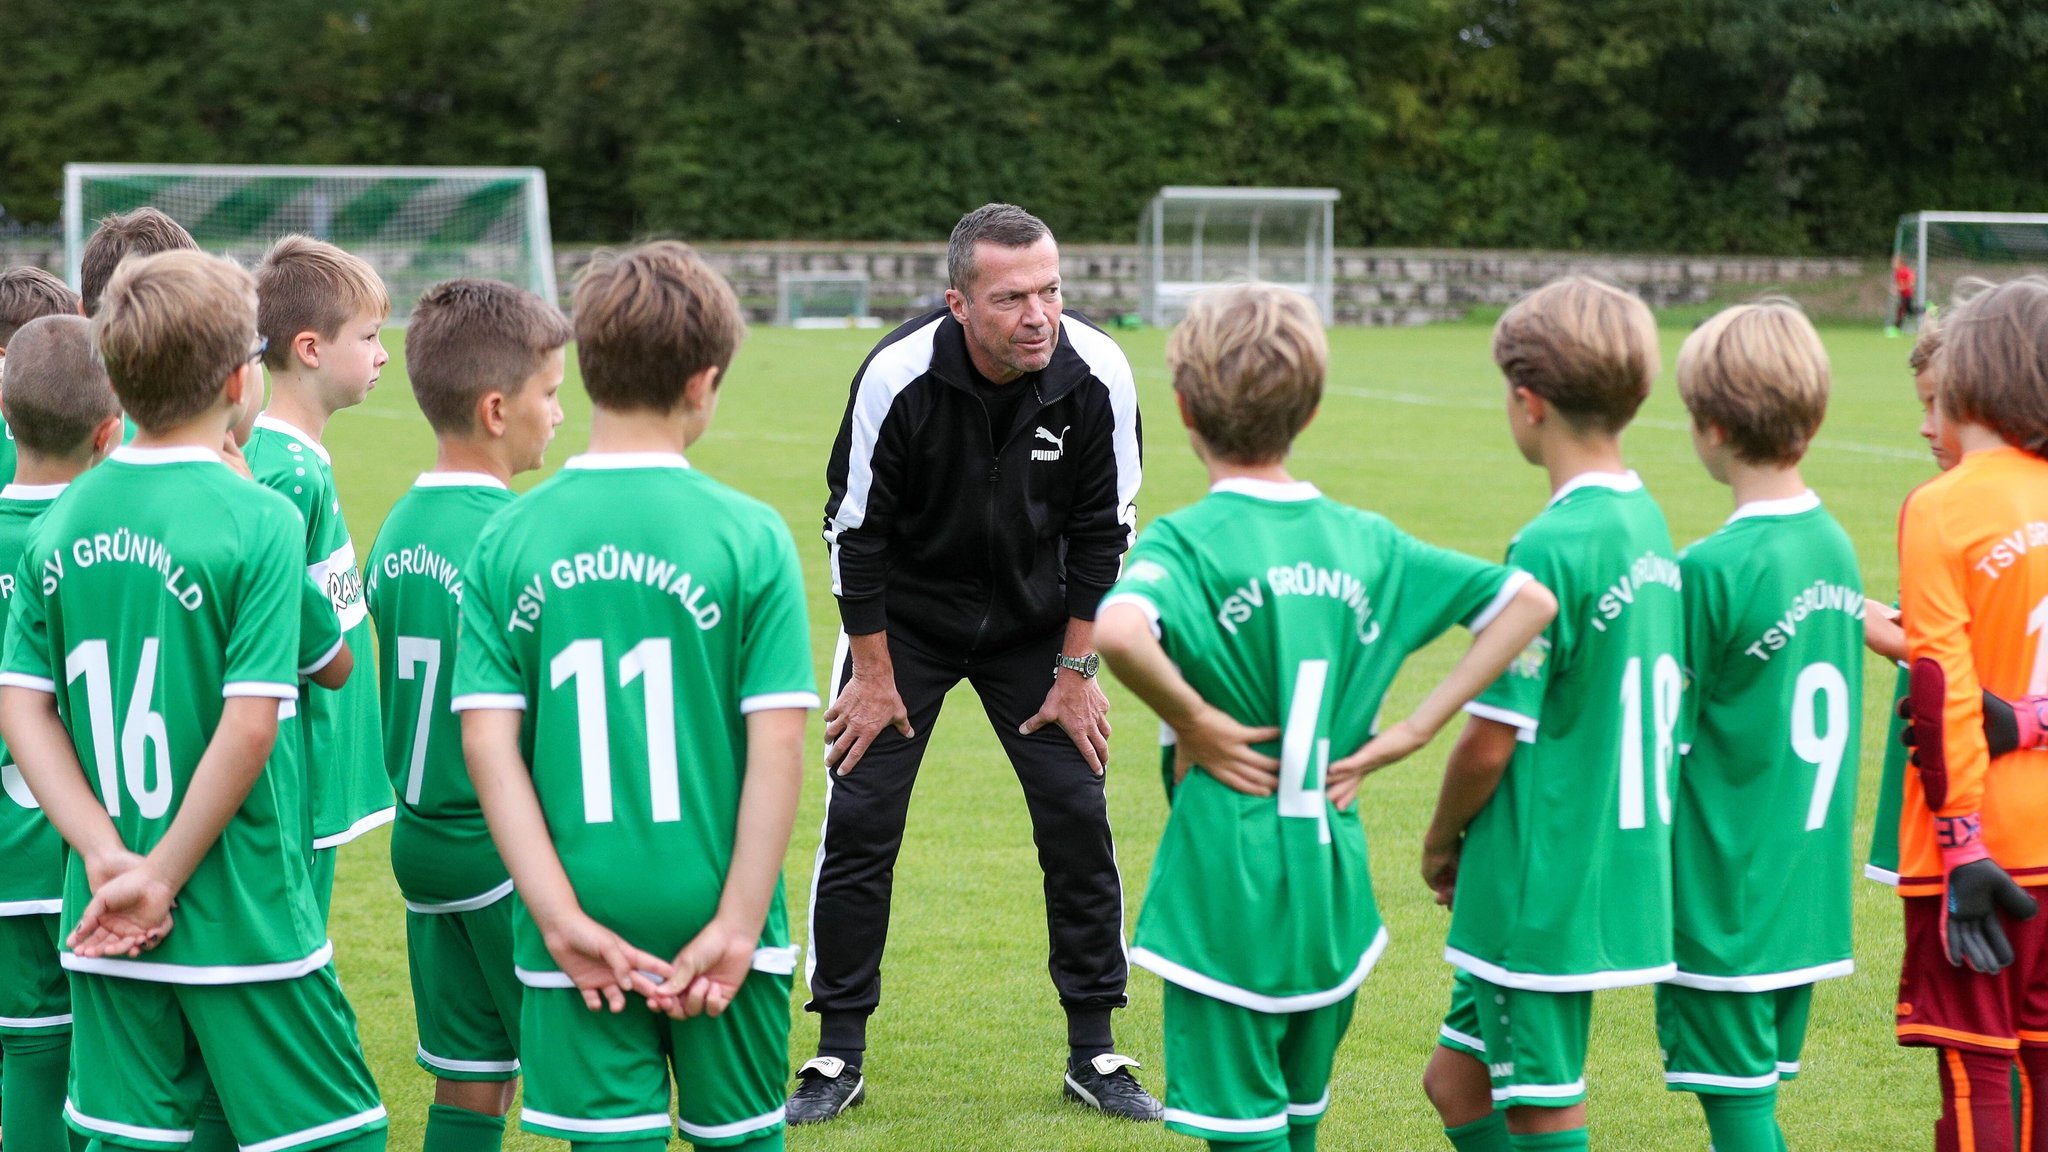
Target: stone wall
{"type": "Point", "coordinates": [1373, 285]}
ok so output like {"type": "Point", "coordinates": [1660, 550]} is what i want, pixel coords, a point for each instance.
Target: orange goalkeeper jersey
{"type": "Point", "coordinates": [1973, 574]}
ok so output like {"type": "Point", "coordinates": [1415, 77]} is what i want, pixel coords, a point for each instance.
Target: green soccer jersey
{"type": "Point", "coordinates": [344, 733]}
{"type": "Point", "coordinates": [441, 852]}
{"type": "Point", "coordinates": [1883, 865]}
{"type": "Point", "coordinates": [1565, 880]}
{"type": "Point", "coordinates": [142, 619]}
{"type": "Point", "coordinates": [1766, 798]}
{"type": "Point", "coordinates": [636, 610]}
{"type": "Point", "coordinates": [31, 851]}
{"type": "Point", "coordinates": [7, 456]}
{"type": "Point", "coordinates": [1283, 608]}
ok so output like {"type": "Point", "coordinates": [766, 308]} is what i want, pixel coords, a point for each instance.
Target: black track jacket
{"type": "Point", "coordinates": [963, 551]}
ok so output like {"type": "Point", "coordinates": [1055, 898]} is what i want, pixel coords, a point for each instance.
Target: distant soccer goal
{"type": "Point", "coordinates": [823, 300]}
{"type": "Point", "coordinates": [1945, 247]}
{"type": "Point", "coordinates": [1192, 238]}
{"type": "Point", "coordinates": [415, 226]}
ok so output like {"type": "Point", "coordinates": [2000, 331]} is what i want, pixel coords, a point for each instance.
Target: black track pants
{"type": "Point", "coordinates": [864, 816]}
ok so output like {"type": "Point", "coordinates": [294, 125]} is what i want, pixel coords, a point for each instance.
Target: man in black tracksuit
{"type": "Point", "coordinates": [983, 490]}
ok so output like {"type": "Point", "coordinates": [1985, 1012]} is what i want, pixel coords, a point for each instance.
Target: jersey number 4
{"type": "Point", "coordinates": [650, 663]}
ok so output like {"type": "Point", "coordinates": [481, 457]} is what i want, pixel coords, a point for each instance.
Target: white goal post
{"type": "Point", "coordinates": [829, 299]}
{"type": "Point", "coordinates": [1194, 237]}
{"type": "Point", "coordinates": [1944, 247]}
{"type": "Point", "coordinates": [415, 226]}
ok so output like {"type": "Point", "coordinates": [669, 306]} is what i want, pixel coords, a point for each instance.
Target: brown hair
{"type": "Point", "coordinates": [1757, 372]}
{"type": "Point", "coordinates": [57, 389]}
{"type": "Point", "coordinates": [143, 232]}
{"type": "Point", "coordinates": [647, 320]}
{"type": "Point", "coordinates": [1925, 346]}
{"type": "Point", "coordinates": [171, 329]}
{"type": "Point", "coordinates": [1248, 361]}
{"type": "Point", "coordinates": [1993, 362]}
{"type": "Point", "coordinates": [27, 293]}
{"type": "Point", "coordinates": [1587, 347]}
{"type": "Point", "coordinates": [308, 285]}
{"type": "Point", "coordinates": [468, 338]}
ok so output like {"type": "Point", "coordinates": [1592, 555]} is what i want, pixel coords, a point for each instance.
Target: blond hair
{"type": "Point", "coordinates": [1758, 373]}
{"type": "Point", "coordinates": [1925, 346]}
{"type": "Point", "coordinates": [647, 320]}
{"type": "Point", "coordinates": [28, 293]}
{"type": "Point", "coordinates": [57, 389]}
{"type": "Point", "coordinates": [308, 285]}
{"type": "Point", "coordinates": [171, 328]}
{"type": "Point", "coordinates": [1585, 346]}
{"type": "Point", "coordinates": [1993, 362]}
{"type": "Point", "coordinates": [468, 338]}
{"type": "Point", "coordinates": [143, 232]}
{"type": "Point", "coordinates": [1248, 362]}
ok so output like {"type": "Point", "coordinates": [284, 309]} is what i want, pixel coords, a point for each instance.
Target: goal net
{"type": "Point", "coordinates": [823, 300]}
{"type": "Point", "coordinates": [415, 226]}
{"type": "Point", "coordinates": [1943, 248]}
{"type": "Point", "coordinates": [1191, 238]}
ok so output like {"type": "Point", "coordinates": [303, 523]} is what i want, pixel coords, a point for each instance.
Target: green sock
{"type": "Point", "coordinates": [1742, 1123]}
{"type": "Point", "coordinates": [452, 1129]}
{"type": "Point", "coordinates": [210, 1133]}
{"type": "Point", "coordinates": [32, 1092]}
{"type": "Point", "coordinates": [769, 1143]}
{"type": "Point", "coordinates": [1570, 1140]}
{"type": "Point", "coordinates": [1276, 1143]}
{"type": "Point", "coordinates": [651, 1144]}
{"type": "Point", "coordinates": [1301, 1138]}
{"type": "Point", "coordinates": [1486, 1134]}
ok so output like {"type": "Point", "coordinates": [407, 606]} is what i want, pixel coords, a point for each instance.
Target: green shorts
{"type": "Point", "coordinates": [1532, 1043]}
{"type": "Point", "coordinates": [595, 1077]}
{"type": "Point", "coordinates": [1731, 1043]}
{"type": "Point", "coordinates": [34, 996]}
{"type": "Point", "coordinates": [465, 998]}
{"type": "Point", "coordinates": [282, 1054]}
{"type": "Point", "coordinates": [1235, 1073]}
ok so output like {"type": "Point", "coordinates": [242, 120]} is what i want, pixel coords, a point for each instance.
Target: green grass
{"type": "Point", "coordinates": [965, 1051]}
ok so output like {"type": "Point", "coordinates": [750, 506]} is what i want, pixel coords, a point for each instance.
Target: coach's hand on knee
{"type": "Point", "coordinates": [858, 714]}
{"type": "Point", "coordinates": [1077, 705]}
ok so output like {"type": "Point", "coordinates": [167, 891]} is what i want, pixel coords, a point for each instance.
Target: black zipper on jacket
{"type": "Point", "coordinates": [995, 475]}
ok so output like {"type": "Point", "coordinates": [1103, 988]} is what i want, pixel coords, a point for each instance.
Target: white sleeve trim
{"type": "Point", "coordinates": [24, 680]}
{"type": "Point", "coordinates": [1524, 726]}
{"type": "Point", "coordinates": [489, 702]}
{"type": "Point", "coordinates": [1508, 588]}
{"type": "Point", "coordinates": [1150, 609]}
{"type": "Point", "coordinates": [263, 688]}
{"type": "Point", "coordinates": [769, 701]}
{"type": "Point", "coordinates": [317, 666]}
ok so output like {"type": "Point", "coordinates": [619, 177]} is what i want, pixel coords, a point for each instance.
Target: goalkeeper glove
{"type": "Point", "coordinates": [1976, 890]}
{"type": "Point", "coordinates": [2008, 726]}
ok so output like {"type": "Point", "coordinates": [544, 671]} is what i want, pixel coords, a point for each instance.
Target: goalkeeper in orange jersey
{"type": "Point", "coordinates": [1973, 555]}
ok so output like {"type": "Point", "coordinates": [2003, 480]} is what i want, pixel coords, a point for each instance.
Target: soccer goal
{"type": "Point", "coordinates": [1945, 247]}
{"type": "Point", "coordinates": [1191, 238]}
{"type": "Point", "coordinates": [415, 226]}
{"type": "Point", "coordinates": [823, 300]}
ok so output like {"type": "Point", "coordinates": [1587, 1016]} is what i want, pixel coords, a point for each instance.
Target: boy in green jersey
{"type": "Point", "coordinates": [1552, 839]}
{"type": "Point", "coordinates": [1269, 618]}
{"type": "Point", "coordinates": [633, 676]}
{"type": "Point", "coordinates": [26, 294]}
{"type": "Point", "coordinates": [1767, 784]}
{"type": "Point", "coordinates": [322, 312]}
{"type": "Point", "coordinates": [62, 413]}
{"type": "Point", "coordinates": [485, 362]}
{"type": "Point", "coordinates": [168, 643]}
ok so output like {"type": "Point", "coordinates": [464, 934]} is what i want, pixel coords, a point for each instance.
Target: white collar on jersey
{"type": "Point", "coordinates": [612, 460]}
{"type": "Point", "coordinates": [130, 454]}
{"type": "Point", "coordinates": [275, 425]}
{"type": "Point", "coordinates": [458, 480]}
{"type": "Point", "coordinates": [1806, 501]}
{"type": "Point", "coordinates": [1267, 489]}
{"type": "Point", "coordinates": [1617, 481]}
{"type": "Point", "coordinates": [32, 492]}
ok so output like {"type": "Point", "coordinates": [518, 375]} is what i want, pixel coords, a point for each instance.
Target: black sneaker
{"type": "Point", "coordinates": [1106, 1085]}
{"type": "Point", "coordinates": [826, 1087]}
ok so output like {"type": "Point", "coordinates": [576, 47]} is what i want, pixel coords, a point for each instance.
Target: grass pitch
{"type": "Point", "coordinates": [965, 1052]}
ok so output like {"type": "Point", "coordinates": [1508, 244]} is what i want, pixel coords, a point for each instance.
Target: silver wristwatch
{"type": "Point", "coordinates": [1087, 665]}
